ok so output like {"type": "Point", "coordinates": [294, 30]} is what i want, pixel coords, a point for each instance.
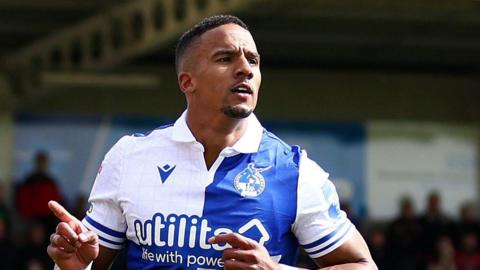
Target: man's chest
{"type": "Point", "coordinates": [173, 207]}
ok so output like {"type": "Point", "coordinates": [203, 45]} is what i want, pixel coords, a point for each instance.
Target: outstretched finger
{"type": "Point", "coordinates": [60, 212]}
{"type": "Point", "coordinates": [235, 240]}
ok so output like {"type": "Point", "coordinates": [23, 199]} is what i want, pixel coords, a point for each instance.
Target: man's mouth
{"type": "Point", "coordinates": [242, 88]}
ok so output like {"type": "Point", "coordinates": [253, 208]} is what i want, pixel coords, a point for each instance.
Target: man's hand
{"type": "Point", "coordinates": [245, 253]}
{"type": "Point", "coordinates": [72, 246]}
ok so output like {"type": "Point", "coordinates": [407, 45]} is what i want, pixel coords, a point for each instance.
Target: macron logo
{"type": "Point", "coordinates": [165, 171]}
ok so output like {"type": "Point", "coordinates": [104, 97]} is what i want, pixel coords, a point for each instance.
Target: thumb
{"type": "Point", "coordinates": [60, 212]}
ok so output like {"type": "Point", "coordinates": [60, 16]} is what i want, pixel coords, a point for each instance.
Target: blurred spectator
{"type": "Point", "coordinates": [7, 248]}
{"type": "Point", "coordinates": [34, 264]}
{"type": "Point", "coordinates": [5, 213]}
{"type": "Point", "coordinates": [376, 244]}
{"type": "Point", "coordinates": [434, 223]}
{"type": "Point", "coordinates": [443, 257]}
{"type": "Point", "coordinates": [468, 257]}
{"type": "Point", "coordinates": [34, 255]}
{"type": "Point", "coordinates": [402, 238]}
{"type": "Point", "coordinates": [6, 245]}
{"type": "Point", "coordinates": [34, 193]}
{"type": "Point", "coordinates": [468, 223]}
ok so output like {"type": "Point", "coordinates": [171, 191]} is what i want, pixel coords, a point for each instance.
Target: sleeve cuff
{"type": "Point", "coordinates": [107, 237]}
{"type": "Point", "coordinates": [331, 241]}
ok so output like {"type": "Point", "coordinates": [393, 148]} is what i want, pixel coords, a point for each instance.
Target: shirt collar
{"type": "Point", "coordinates": [181, 132]}
{"type": "Point", "coordinates": [248, 143]}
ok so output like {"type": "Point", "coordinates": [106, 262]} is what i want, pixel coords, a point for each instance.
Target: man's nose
{"type": "Point", "coordinates": [244, 69]}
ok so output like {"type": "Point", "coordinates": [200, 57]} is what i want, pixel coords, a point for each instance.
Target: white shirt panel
{"type": "Point", "coordinates": [320, 226]}
{"type": "Point", "coordinates": [146, 194]}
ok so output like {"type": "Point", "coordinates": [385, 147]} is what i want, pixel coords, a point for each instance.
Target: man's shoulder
{"type": "Point", "coordinates": [151, 136]}
{"type": "Point", "coordinates": [271, 139]}
{"type": "Point", "coordinates": [271, 142]}
{"type": "Point", "coordinates": [130, 144]}
{"type": "Point", "coordinates": [158, 130]}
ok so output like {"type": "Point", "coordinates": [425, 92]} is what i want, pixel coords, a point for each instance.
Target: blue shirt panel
{"type": "Point", "coordinates": [275, 207]}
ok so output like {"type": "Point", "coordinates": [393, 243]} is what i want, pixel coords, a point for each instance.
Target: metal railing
{"type": "Point", "coordinates": [119, 34]}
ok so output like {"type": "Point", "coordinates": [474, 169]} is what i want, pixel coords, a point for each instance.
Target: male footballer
{"type": "Point", "coordinates": [214, 190]}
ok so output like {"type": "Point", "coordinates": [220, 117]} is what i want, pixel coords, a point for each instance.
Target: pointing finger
{"type": "Point", "coordinates": [235, 240]}
{"type": "Point", "coordinates": [60, 212]}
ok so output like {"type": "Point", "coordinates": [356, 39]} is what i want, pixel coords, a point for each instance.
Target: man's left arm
{"type": "Point", "coordinates": [352, 254]}
{"type": "Point", "coordinates": [246, 253]}
{"type": "Point", "coordinates": [321, 227]}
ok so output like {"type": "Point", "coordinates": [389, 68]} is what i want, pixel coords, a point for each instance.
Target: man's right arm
{"type": "Point", "coordinates": [73, 246]}
{"type": "Point", "coordinates": [104, 220]}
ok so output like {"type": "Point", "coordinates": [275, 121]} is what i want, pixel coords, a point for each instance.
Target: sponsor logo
{"type": "Point", "coordinates": [189, 231]}
{"type": "Point", "coordinates": [165, 171]}
{"type": "Point", "coordinates": [175, 233]}
{"type": "Point", "coordinates": [249, 182]}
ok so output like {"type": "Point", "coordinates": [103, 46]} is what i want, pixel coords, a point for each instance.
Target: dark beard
{"type": "Point", "coordinates": [236, 112]}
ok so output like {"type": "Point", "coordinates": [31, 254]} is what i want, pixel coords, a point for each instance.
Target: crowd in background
{"type": "Point", "coordinates": [430, 240]}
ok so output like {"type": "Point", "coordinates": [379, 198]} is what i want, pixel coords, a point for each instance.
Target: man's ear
{"type": "Point", "coordinates": [186, 82]}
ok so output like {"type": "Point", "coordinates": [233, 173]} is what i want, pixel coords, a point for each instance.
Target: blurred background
{"type": "Point", "coordinates": [384, 95]}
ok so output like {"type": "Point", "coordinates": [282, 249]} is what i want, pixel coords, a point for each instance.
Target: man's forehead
{"type": "Point", "coordinates": [229, 35]}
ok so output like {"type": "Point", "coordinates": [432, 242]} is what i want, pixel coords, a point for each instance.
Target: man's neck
{"type": "Point", "coordinates": [215, 133]}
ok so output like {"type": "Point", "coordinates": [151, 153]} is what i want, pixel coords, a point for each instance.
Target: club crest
{"type": "Point", "coordinates": [249, 182]}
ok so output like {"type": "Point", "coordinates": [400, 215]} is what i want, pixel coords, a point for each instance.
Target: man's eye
{"type": "Point", "coordinates": [225, 59]}
{"type": "Point", "coordinates": [253, 61]}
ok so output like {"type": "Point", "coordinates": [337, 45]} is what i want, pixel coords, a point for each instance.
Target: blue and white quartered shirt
{"type": "Point", "coordinates": [155, 196]}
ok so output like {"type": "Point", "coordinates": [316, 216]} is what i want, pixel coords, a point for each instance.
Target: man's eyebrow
{"type": "Point", "coordinates": [233, 51]}
{"type": "Point", "coordinates": [254, 54]}
{"type": "Point", "coordinates": [223, 51]}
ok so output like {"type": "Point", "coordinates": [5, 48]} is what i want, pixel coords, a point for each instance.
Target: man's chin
{"type": "Point", "coordinates": [237, 112]}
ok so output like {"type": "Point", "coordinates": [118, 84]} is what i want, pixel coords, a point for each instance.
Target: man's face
{"type": "Point", "coordinates": [225, 71]}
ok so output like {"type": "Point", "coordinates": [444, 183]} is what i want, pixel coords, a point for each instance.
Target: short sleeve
{"type": "Point", "coordinates": [320, 225]}
{"type": "Point", "coordinates": [104, 216]}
